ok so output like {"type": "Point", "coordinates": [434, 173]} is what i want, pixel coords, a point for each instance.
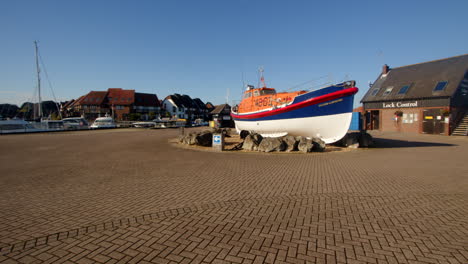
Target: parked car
{"type": "Point", "coordinates": [75, 123]}
{"type": "Point", "coordinates": [103, 122]}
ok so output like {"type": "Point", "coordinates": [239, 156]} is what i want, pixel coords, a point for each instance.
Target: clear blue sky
{"type": "Point", "coordinates": [203, 48]}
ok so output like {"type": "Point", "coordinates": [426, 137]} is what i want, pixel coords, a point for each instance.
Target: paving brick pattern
{"type": "Point", "coordinates": [129, 196]}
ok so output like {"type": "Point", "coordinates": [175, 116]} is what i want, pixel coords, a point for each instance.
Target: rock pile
{"type": "Point", "coordinates": [255, 142]}
{"type": "Point", "coordinates": [202, 138]}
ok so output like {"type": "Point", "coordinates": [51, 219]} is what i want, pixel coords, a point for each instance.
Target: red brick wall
{"type": "Point", "coordinates": [388, 122]}
{"type": "Point", "coordinates": [118, 113]}
{"type": "Point", "coordinates": [399, 125]}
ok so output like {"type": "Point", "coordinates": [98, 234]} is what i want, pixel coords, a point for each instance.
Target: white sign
{"type": "Point", "coordinates": [400, 104]}
{"type": "Point", "coordinates": [217, 139]}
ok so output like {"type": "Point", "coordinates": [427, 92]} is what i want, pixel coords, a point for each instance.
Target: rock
{"type": "Point", "coordinates": [244, 133]}
{"type": "Point", "coordinates": [181, 138]}
{"type": "Point", "coordinates": [291, 143]}
{"type": "Point", "coordinates": [204, 138]}
{"type": "Point", "coordinates": [350, 140]}
{"type": "Point", "coordinates": [366, 141]}
{"type": "Point", "coordinates": [305, 145]}
{"type": "Point", "coordinates": [319, 145]}
{"type": "Point", "coordinates": [190, 139]}
{"type": "Point", "coordinates": [270, 144]}
{"type": "Point", "coordinates": [251, 142]}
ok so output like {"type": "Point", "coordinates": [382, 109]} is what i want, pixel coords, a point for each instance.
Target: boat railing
{"type": "Point", "coordinates": [235, 105]}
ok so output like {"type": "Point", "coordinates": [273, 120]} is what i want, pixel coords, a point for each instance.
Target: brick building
{"type": "Point", "coordinates": [429, 97]}
{"type": "Point", "coordinates": [117, 101]}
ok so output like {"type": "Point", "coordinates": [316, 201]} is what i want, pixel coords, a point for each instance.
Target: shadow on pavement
{"type": "Point", "coordinates": [393, 143]}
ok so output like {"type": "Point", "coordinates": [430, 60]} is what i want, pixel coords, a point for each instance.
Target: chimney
{"type": "Point", "coordinates": [385, 69]}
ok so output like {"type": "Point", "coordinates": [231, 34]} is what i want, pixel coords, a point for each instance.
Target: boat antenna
{"type": "Point", "coordinates": [38, 70]}
{"type": "Point", "coordinates": [262, 79]}
{"type": "Point", "coordinates": [243, 82]}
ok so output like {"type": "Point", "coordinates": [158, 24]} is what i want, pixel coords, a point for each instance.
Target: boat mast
{"type": "Point", "coordinates": [262, 79]}
{"type": "Point", "coordinates": [38, 80]}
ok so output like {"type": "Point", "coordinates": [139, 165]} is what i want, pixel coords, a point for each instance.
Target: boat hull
{"type": "Point", "coordinates": [312, 127]}
{"type": "Point", "coordinates": [324, 114]}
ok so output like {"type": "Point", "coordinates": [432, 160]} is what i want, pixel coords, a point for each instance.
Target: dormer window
{"type": "Point", "coordinates": [440, 86]}
{"type": "Point", "coordinates": [388, 91]}
{"type": "Point", "coordinates": [375, 91]}
{"type": "Point", "coordinates": [404, 89]}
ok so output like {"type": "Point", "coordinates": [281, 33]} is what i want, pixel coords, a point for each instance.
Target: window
{"type": "Point", "coordinates": [440, 86]}
{"type": "Point", "coordinates": [388, 91]}
{"type": "Point", "coordinates": [264, 92]}
{"type": "Point", "coordinates": [174, 109]}
{"type": "Point", "coordinates": [375, 91]}
{"type": "Point", "coordinates": [256, 93]}
{"type": "Point", "coordinates": [403, 89]}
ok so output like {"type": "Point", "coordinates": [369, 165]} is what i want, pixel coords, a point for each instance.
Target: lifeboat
{"type": "Point", "coordinates": [324, 113]}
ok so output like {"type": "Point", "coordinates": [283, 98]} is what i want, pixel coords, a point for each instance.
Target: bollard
{"type": "Point", "coordinates": [218, 141]}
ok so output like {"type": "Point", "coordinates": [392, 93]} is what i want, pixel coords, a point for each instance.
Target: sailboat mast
{"type": "Point", "coordinates": [38, 79]}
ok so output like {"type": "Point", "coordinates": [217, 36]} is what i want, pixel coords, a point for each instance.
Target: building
{"type": "Point", "coordinates": [222, 116]}
{"type": "Point", "coordinates": [184, 107]}
{"type": "Point", "coordinates": [120, 103]}
{"type": "Point", "coordinates": [429, 97]}
{"type": "Point", "coordinates": [209, 106]}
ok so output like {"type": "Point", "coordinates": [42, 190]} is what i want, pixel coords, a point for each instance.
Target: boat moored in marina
{"type": "Point", "coordinates": [103, 122]}
{"type": "Point", "coordinates": [324, 113]}
{"type": "Point", "coordinates": [12, 126]}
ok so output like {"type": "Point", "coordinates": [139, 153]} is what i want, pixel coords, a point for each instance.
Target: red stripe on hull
{"type": "Point", "coordinates": [308, 102]}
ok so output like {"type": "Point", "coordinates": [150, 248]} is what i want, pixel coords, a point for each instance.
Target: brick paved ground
{"type": "Point", "coordinates": [122, 196]}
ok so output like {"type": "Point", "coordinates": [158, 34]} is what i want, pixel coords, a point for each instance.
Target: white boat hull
{"type": "Point", "coordinates": [329, 128]}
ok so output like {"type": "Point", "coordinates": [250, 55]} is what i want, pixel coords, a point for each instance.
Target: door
{"type": "Point", "coordinates": [433, 121]}
{"type": "Point", "coordinates": [372, 120]}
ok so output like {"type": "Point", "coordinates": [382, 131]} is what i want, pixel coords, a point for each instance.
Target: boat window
{"type": "Point", "coordinates": [11, 126]}
{"type": "Point", "coordinates": [70, 121]}
{"type": "Point", "coordinates": [247, 95]}
{"type": "Point", "coordinates": [265, 92]}
{"type": "Point", "coordinates": [256, 93]}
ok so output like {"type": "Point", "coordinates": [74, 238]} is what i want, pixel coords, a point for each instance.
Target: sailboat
{"type": "Point", "coordinates": [44, 122]}
{"type": "Point", "coordinates": [40, 124]}
{"type": "Point", "coordinates": [324, 113]}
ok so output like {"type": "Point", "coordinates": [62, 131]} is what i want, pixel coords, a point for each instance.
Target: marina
{"type": "Point", "coordinates": [153, 137]}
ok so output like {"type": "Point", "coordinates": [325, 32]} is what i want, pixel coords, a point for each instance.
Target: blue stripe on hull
{"type": "Point", "coordinates": [332, 107]}
{"type": "Point", "coordinates": [323, 91]}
